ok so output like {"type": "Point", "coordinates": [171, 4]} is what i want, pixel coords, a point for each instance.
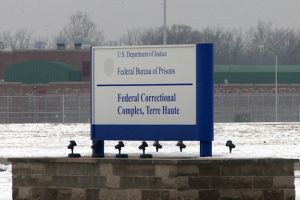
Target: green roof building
{"type": "Point", "coordinates": [42, 72]}
{"type": "Point", "coordinates": [256, 74]}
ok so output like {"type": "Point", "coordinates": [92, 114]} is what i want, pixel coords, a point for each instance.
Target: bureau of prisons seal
{"type": "Point", "coordinates": [108, 67]}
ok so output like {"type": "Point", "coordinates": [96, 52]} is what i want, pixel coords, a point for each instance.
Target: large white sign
{"type": "Point", "coordinates": [144, 85]}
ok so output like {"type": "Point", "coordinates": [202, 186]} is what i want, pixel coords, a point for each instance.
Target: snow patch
{"type": "Point", "coordinates": [252, 140]}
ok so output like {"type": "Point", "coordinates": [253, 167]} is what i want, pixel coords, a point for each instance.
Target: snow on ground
{"type": "Point", "coordinates": [3, 168]}
{"type": "Point", "coordinates": [297, 184]}
{"type": "Point", "coordinates": [6, 184]}
{"type": "Point", "coordinates": [251, 139]}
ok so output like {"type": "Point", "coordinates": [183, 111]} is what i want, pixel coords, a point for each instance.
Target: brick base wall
{"type": "Point", "coordinates": [110, 178]}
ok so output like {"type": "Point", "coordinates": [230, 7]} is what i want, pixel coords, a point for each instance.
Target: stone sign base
{"type": "Point", "coordinates": [158, 178]}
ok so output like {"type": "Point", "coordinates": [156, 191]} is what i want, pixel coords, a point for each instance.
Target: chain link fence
{"type": "Point", "coordinates": [256, 107]}
{"type": "Point", "coordinates": [76, 108]}
{"type": "Point", "coordinates": [45, 109]}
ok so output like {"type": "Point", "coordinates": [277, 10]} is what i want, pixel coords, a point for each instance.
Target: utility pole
{"type": "Point", "coordinates": [165, 22]}
{"type": "Point", "coordinates": [276, 91]}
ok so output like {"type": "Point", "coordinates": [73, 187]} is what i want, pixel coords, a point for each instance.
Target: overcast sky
{"type": "Point", "coordinates": [114, 17]}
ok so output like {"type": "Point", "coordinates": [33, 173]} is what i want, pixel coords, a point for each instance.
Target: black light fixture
{"type": "Point", "coordinates": [181, 145]}
{"type": "Point", "coordinates": [71, 146]}
{"type": "Point", "coordinates": [143, 147]}
{"type": "Point", "coordinates": [157, 145]}
{"type": "Point", "coordinates": [119, 147]}
{"type": "Point", "coordinates": [230, 145]}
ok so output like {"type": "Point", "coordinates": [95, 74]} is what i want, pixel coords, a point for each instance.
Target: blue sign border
{"type": "Point", "coordinates": [202, 131]}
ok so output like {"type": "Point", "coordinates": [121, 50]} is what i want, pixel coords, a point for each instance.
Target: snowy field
{"type": "Point", "coordinates": [251, 139]}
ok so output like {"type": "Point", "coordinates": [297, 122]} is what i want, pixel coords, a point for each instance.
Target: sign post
{"type": "Point", "coordinates": [152, 93]}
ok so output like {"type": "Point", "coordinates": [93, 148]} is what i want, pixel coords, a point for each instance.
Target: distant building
{"type": "Point", "coordinates": [68, 71]}
{"type": "Point", "coordinates": [41, 68]}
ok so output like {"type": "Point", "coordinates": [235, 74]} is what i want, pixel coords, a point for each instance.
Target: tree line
{"type": "Point", "coordinates": [257, 45]}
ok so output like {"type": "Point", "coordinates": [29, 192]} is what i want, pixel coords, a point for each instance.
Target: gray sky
{"type": "Point", "coordinates": [114, 17]}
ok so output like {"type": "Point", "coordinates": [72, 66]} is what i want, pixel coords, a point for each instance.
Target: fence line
{"type": "Point", "coordinates": [256, 107]}
{"type": "Point", "coordinates": [76, 108]}
{"type": "Point", "coordinates": [44, 109]}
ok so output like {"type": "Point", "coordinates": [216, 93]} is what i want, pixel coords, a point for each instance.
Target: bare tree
{"type": "Point", "coordinates": [285, 45]}
{"type": "Point", "coordinates": [132, 37]}
{"type": "Point", "coordinates": [258, 45]}
{"type": "Point", "coordinates": [152, 36]}
{"type": "Point", "coordinates": [20, 39]}
{"type": "Point", "coordinates": [80, 25]}
{"type": "Point", "coordinates": [181, 34]}
{"type": "Point", "coordinates": [264, 42]}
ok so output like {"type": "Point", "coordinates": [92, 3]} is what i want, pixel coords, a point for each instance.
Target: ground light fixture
{"type": "Point", "coordinates": [181, 145]}
{"type": "Point", "coordinates": [71, 146]}
{"type": "Point", "coordinates": [119, 146]}
{"type": "Point", "coordinates": [230, 145]}
{"type": "Point", "coordinates": [143, 147]}
{"type": "Point", "coordinates": [157, 145]}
